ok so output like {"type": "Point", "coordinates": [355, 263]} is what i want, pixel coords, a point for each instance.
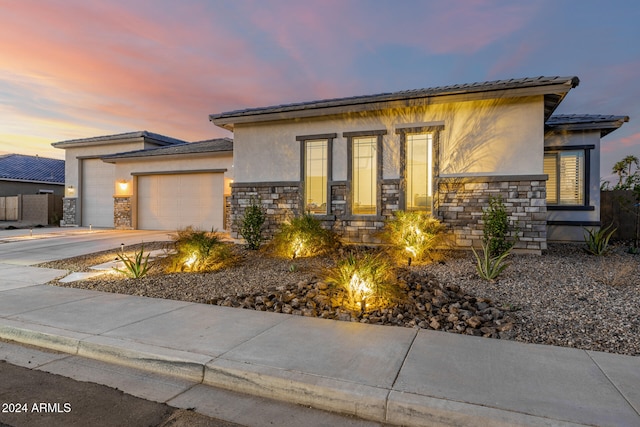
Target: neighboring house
{"type": "Point", "coordinates": [20, 174]}
{"type": "Point", "coordinates": [31, 189]}
{"type": "Point", "coordinates": [353, 161]}
{"type": "Point", "coordinates": [142, 180]}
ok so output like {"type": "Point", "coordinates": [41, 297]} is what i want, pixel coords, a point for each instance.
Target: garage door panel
{"type": "Point", "coordinates": [97, 193]}
{"type": "Point", "coordinates": [170, 202]}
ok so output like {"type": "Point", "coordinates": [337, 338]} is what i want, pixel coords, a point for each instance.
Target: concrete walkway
{"type": "Point", "coordinates": [386, 374]}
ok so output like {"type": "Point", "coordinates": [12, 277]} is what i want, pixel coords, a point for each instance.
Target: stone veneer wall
{"type": "Point", "coordinates": [282, 201]}
{"type": "Point", "coordinates": [69, 209]}
{"type": "Point", "coordinates": [459, 205]}
{"type": "Point", "coordinates": [122, 214]}
{"type": "Point", "coordinates": [461, 202]}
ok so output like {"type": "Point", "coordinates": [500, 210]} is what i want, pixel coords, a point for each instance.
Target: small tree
{"type": "Point", "coordinates": [251, 225]}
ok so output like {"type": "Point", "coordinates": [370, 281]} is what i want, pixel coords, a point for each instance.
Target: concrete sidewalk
{"type": "Point", "coordinates": [386, 374]}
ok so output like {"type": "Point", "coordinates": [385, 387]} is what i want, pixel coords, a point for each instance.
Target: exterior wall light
{"type": "Point", "coordinates": [71, 191]}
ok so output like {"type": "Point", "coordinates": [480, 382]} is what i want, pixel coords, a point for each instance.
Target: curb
{"type": "Point", "coordinates": [372, 403]}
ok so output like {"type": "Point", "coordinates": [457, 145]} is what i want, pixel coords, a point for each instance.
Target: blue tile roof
{"type": "Point", "coordinates": [18, 167]}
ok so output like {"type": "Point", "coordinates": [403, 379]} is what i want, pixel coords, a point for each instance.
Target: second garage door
{"type": "Point", "coordinates": [172, 202]}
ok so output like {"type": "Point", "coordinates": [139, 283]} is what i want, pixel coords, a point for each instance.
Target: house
{"type": "Point", "coordinates": [353, 161]}
{"type": "Point", "coordinates": [31, 189]}
{"type": "Point", "coordinates": [142, 180]}
{"type": "Point", "coordinates": [20, 174]}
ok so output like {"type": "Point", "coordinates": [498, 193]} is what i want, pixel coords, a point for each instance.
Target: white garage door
{"type": "Point", "coordinates": [97, 193]}
{"type": "Point", "coordinates": [172, 202]}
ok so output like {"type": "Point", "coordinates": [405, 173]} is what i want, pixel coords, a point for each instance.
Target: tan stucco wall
{"type": "Point", "coordinates": [125, 168]}
{"type": "Point", "coordinates": [72, 153]}
{"type": "Point", "coordinates": [493, 137]}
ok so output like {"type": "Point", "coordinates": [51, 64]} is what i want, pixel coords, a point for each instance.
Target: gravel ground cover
{"type": "Point", "coordinates": [564, 297]}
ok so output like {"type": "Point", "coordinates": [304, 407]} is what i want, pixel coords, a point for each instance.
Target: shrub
{"type": "Point", "coordinates": [135, 267]}
{"type": "Point", "coordinates": [198, 250]}
{"type": "Point", "coordinates": [598, 241]}
{"type": "Point", "coordinates": [303, 236]}
{"type": "Point", "coordinates": [490, 266]}
{"type": "Point", "coordinates": [413, 235]}
{"type": "Point", "coordinates": [496, 227]}
{"type": "Point", "coordinates": [367, 280]}
{"type": "Point", "coordinates": [251, 225]}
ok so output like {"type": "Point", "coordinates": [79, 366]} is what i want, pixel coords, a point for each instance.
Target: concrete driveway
{"type": "Point", "coordinates": [33, 246]}
{"type": "Point", "coordinates": [21, 249]}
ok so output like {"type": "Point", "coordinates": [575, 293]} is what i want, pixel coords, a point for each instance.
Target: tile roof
{"type": "Point", "coordinates": [209, 146]}
{"type": "Point", "coordinates": [458, 89]}
{"type": "Point", "coordinates": [605, 123]}
{"type": "Point", "coordinates": [159, 139]}
{"type": "Point", "coordinates": [18, 167]}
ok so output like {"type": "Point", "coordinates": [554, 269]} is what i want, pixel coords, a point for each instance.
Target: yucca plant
{"type": "Point", "coordinates": [135, 267]}
{"type": "Point", "coordinates": [368, 281]}
{"type": "Point", "coordinates": [490, 266]}
{"type": "Point", "coordinates": [598, 241]}
{"type": "Point", "coordinates": [413, 236]}
{"type": "Point", "coordinates": [303, 236]}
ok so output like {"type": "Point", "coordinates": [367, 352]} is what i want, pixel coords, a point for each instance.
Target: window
{"type": "Point", "coordinates": [315, 171]}
{"type": "Point", "coordinates": [566, 183]}
{"type": "Point", "coordinates": [419, 171]}
{"type": "Point", "coordinates": [365, 176]}
{"type": "Point", "coordinates": [315, 176]}
{"type": "Point", "coordinates": [419, 166]}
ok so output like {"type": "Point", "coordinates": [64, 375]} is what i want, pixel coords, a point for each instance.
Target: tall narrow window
{"type": "Point", "coordinates": [315, 176]}
{"type": "Point", "coordinates": [365, 175]}
{"type": "Point", "coordinates": [419, 171]}
{"type": "Point", "coordinates": [566, 183]}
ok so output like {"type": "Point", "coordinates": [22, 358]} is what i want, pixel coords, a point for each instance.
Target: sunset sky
{"type": "Point", "coordinates": [82, 68]}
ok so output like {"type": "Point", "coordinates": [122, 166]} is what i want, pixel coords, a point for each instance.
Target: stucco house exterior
{"type": "Point", "coordinates": [444, 150]}
{"type": "Point", "coordinates": [142, 180]}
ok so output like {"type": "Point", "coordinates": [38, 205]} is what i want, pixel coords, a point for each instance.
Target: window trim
{"type": "Point", "coordinates": [378, 134]}
{"type": "Point", "coordinates": [402, 132]}
{"type": "Point", "coordinates": [303, 145]}
{"type": "Point", "coordinates": [586, 205]}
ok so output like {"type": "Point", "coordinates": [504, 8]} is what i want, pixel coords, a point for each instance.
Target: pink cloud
{"type": "Point", "coordinates": [623, 144]}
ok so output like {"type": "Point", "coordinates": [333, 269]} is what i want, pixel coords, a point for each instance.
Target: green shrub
{"type": "Point", "coordinates": [251, 225]}
{"type": "Point", "coordinates": [135, 267]}
{"type": "Point", "coordinates": [413, 236]}
{"type": "Point", "coordinates": [496, 227]}
{"type": "Point", "coordinates": [198, 250]}
{"type": "Point", "coordinates": [303, 236]}
{"type": "Point", "coordinates": [490, 266]}
{"type": "Point", "coordinates": [598, 241]}
{"type": "Point", "coordinates": [367, 280]}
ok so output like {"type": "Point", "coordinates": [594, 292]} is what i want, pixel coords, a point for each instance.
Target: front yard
{"type": "Point", "coordinates": [565, 297]}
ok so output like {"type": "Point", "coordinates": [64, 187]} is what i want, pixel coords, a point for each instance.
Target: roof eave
{"type": "Point", "coordinates": [554, 94]}
{"type": "Point", "coordinates": [605, 127]}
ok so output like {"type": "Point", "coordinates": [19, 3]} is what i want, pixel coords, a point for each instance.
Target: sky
{"type": "Point", "coordinates": [83, 68]}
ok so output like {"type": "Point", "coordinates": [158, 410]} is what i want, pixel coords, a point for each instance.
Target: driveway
{"type": "Point", "coordinates": [27, 247]}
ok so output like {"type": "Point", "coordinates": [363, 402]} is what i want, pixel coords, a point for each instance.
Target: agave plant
{"type": "Point", "coordinates": [135, 267]}
{"type": "Point", "coordinates": [598, 241]}
{"type": "Point", "coordinates": [490, 266]}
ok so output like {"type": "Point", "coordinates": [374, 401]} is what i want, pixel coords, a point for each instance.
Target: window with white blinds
{"type": "Point", "coordinates": [565, 185]}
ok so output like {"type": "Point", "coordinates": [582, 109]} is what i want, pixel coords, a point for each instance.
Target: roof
{"type": "Point", "coordinates": [556, 87]}
{"type": "Point", "coordinates": [18, 167]}
{"type": "Point", "coordinates": [209, 146]}
{"type": "Point", "coordinates": [604, 123]}
{"type": "Point", "coordinates": [153, 137]}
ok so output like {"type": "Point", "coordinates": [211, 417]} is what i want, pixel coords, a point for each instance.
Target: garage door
{"type": "Point", "coordinates": [172, 202]}
{"type": "Point", "coordinates": [97, 193]}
